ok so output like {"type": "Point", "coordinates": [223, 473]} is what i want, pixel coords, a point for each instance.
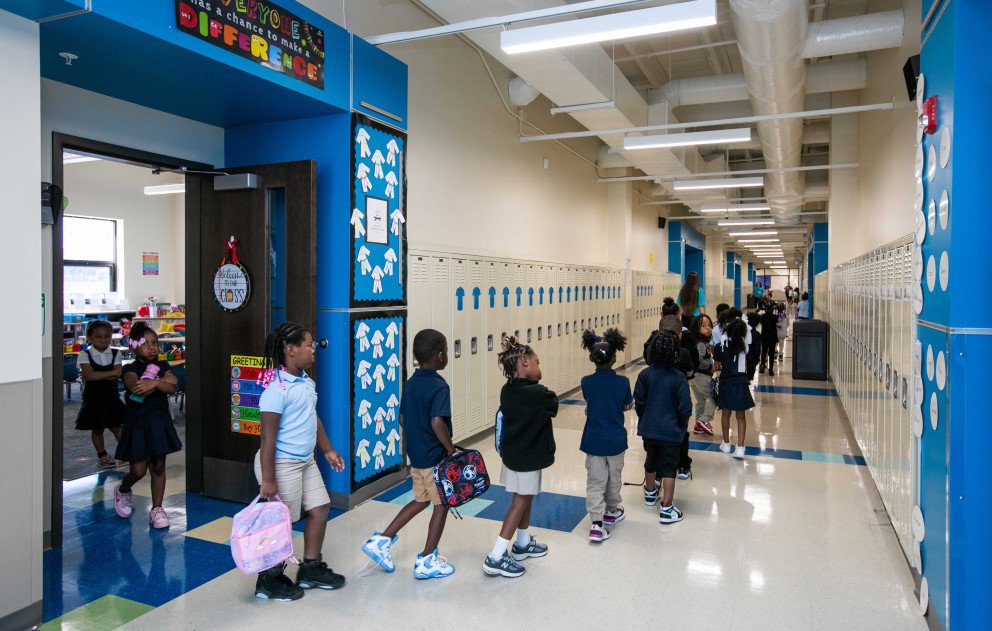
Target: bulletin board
{"type": "Point", "coordinates": [378, 214]}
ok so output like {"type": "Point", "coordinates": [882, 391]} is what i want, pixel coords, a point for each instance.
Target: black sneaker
{"type": "Point", "coordinates": [272, 584]}
{"type": "Point", "coordinates": [316, 574]}
{"type": "Point", "coordinates": [504, 566]}
{"type": "Point", "coordinates": [684, 473]}
{"type": "Point", "coordinates": [532, 550]}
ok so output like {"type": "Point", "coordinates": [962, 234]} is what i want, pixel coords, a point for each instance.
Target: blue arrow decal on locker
{"type": "Point", "coordinates": [576, 293]}
{"type": "Point", "coordinates": [520, 294]}
{"type": "Point", "coordinates": [583, 293]}
{"type": "Point", "coordinates": [530, 297]}
{"type": "Point", "coordinates": [506, 297]}
{"type": "Point", "coordinates": [604, 292]}
{"type": "Point", "coordinates": [597, 293]}
{"type": "Point", "coordinates": [551, 295]}
{"type": "Point", "coordinates": [568, 294]}
{"type": "Point", "coordinates": [560, 290]}
{"type": "Point", "coordinates": [476, 292]}
{"type": "Point", "coordinates": [492, 297]}
{"type": "Point", "coordinates": [460, 295]}
{"type": "Point", "coordinates": [540, 296]}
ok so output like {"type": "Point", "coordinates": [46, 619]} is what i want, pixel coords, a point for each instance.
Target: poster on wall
{"type": "Point", "coordinates": [261, 32]}
{"type": "Point", "coordinates": [149, 263]}
{"type": "Point", "coordinates": [377, 377]}
{"type": "Point", "coordinates": [378, 217]}
{"type": "Point", "coordinates": [246, 390]}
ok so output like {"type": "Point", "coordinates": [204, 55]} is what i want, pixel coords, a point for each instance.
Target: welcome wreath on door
{"type": "Point", "coordinates": [232, 284]}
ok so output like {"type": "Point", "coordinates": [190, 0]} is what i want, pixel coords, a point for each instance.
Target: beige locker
{"type": "Point", "coordinates": [493, 307]}
{"type": "Point", "coordinates": [419, 296]}
{"type": "Point", "coordinates": [476, 346]}
{"type": "Point", "coordinates": [563, 328]}
{"type": "Point", "coordinates": [458, 347]}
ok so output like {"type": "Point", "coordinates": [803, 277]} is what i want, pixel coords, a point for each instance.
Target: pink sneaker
{"type": "Point", "coordinates": [706, 427]}
{"type": "Point", "coordinates": [158, 518]}
{"type": "Point", "coordinates": [122, 503]}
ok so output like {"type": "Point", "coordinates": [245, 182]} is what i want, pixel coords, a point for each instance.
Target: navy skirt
{"type": "Point", "coordinates": [150, 438]}
{"type": "Point", "coordinates": [734, 396]}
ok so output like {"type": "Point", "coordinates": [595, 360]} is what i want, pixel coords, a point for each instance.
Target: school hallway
{"type": "Point", "coordinates": [793, 537]}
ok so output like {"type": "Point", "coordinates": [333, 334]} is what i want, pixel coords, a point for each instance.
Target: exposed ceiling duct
{"type": "Point", "coordinates": [874, 31]}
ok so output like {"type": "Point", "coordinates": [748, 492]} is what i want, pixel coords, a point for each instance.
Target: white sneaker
{"type": "Point", "coordinates": [739, 452]}
{"type": "Point", "coordinates": [726, 448]}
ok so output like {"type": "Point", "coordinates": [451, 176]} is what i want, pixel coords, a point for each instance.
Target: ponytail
{"type": "Point", "coordinates": [275, 349]}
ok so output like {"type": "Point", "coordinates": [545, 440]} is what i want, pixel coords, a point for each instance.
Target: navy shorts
{"type": "Point", "coordinates": [662, 457]}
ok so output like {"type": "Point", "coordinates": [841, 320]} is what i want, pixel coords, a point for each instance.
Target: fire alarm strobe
{"type": "Point", "coordinates": [928, 115]}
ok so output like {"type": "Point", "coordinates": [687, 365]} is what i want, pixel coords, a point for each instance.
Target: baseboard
{"type": "Point", "coordinates": [22, 619]}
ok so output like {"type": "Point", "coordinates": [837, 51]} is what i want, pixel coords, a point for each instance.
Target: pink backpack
{"type": "Point", "coordinates": [262, 536]}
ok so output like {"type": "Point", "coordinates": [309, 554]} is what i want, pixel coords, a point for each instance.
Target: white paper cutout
{"type": "Point", "coordinates": [362, 138]}
{"type": "Point", "coordinates": [356, 220]}
{"type": "Point", "coordinates": [363, 374]}
{"type": "Point", "coordinates": [361, 334]}
{"type": "Point", "coordinates": [392, 438]}
{"type": "Point", "coordinates": [918, 525]}
{"type": "Point", "coordinates": [919, 161]}
{"type": "Point", "coordinates": [944, 209]}
{"type": "Point", "coordinates": [921, 227]}
{"type": "Point", "coordinates": [379, 449]}
{"type": "Point", "coordinates": [932, 217]}
{"type": "Point", "coordinates": [391, 183]}
{"type": "Point", "coordinates": [943, 273]}
{"type": "Point", "coordinates": [931, 163]}
{"type": "Point", "coordinates": [390, 257]}
{"type": "Point", "coordinates": [931, 272]}
{"type": "Point", "coordinates": [377, 275]}
{"type": "Point", "coordinates": [362, 173]}
{"type": "Point", "coordinates": [362, 451]}
{"type": "Point", "coordinates": [393, 362]}
{"type": "Point", "coordinates": [363, 412]}
{"type": "Point", "coordinates": [945, 146]}
{"type": "Point", "coordinates": [380, 385]}
{"type": "Point", "coordinates": [380, 421]}
{"type": "Point", "coordinates": [392, 401]}
{"type": "Point", "coordinates": [930, 364]}
{"type": "Point", "coordinates": [924, 596]}
{"type": "Point", "coordinates": [934, 411]}
{"type": "Point", "coordinates": [363, 259]}
{"type": "Point", "coordinates": [377, 339]}
{"type": "Point", "coordinates": [391, 332]}
{"type": "Point", "coordinates": [398, 218]}
{"type": "Point", "coordinates": [393, 148]}
{"type": "Point", "coordinates": [941, 370]}
{"type": "Point", "coordinates": [377, 160]}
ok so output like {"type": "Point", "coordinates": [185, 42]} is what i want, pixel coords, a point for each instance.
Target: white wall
{"type": "Point", "coordinates": [648, 244]}
{"type": "Point", "coordinates": [147, 223]}
{"type": "Point", "coordinates": [20, 376]}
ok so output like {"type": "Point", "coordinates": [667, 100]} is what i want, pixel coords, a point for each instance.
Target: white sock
{"type": "Point", "coordinates": [499, 549]}
{"type": "Point", "coordinates": [523, 537]}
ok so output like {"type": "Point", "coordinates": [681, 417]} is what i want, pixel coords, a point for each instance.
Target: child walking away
{"type": "Point", "coordinates": [525, 441]}
{"type": "Point", "coordinates": [425, 416]}
{"type": "Point", "coordinates": [734, 394]}
{"type": "Point", "coordinates": [285, 465]}
{"type": "Point", "coordinates": [702, 330]}
{"type": "Point", "coordinates": [783, 329]}
{"type": "Point", "coordinates": [148, 433]}
{"type": "Point", "coordinates": [102, 407]}
{"type": "Point", "coordinates": [663, 406]}
{"type": "Point", "coordinates": [604, 438]}
{"type": "Point", "coordinates": [769, 339]}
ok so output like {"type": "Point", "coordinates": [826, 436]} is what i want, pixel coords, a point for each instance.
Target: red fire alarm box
{"type": "Point", "coordinates": [928, 116]}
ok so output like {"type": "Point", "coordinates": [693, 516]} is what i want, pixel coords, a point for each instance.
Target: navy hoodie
{"type": "Point", "coordinates": [662, 403]}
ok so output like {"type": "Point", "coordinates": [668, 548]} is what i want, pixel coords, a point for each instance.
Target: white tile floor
{"type": "Point", "coordinates": [766, 544]}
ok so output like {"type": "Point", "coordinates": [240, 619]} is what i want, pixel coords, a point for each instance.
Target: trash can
{"type": "Point", "coordinates": [810, 350]}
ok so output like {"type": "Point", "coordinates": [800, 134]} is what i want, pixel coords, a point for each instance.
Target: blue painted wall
{"type": "Point", "coordinates": [686, 250]}
{"type": "Point", "coordinates": [817, 258]}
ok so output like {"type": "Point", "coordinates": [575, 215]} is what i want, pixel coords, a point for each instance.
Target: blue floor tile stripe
{"type": "Point", "coordinates": [816, 392]}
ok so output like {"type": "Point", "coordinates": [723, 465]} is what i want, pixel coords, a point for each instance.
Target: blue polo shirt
{"type": "Point", "coordinates": [295, 398]}
{"type": "Point", "coordinates": [425, 395]}
{"type": "Point", "coordinates": [606, 394]}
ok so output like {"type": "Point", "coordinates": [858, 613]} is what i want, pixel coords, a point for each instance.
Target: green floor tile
{"type": "Point", "coordinates": [102, 614]}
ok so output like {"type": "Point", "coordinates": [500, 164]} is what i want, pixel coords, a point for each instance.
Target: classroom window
{"type": "Point", "coordinates": [89, 252]}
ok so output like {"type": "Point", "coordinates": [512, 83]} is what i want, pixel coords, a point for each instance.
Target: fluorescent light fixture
{"type": "Point", "coordinates": [757, 241]}
{"type": "Point", "coordinates": [165, 189]}
{"type": "Point", "coordinates": [753, 222]}
{"type": "Point", "coordinates": [753, 233]}
{"type": "Point", "coordinates": [688, 139]}
{"type": "Point", "coordinates": [733, 182]}
{"type": "Point", "coordinates": [725, 208]}
{"type": "Point", "coordinates": [625, 25]}
{"type": "Point", "coordinates": [75, 158]}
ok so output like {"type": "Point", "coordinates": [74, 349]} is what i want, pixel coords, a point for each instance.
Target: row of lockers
{"type": "Point", "coordinates": [873, 337]}
{"type": "Point", "coordinates": [476, 301]}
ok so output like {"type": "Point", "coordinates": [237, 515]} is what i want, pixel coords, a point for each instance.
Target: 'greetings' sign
{"type": "Point", "coordinates": [259, 31]}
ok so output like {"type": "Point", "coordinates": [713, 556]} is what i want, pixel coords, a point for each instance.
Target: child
{"type": "Point", "coordinates": [604, 438]}
{"type": "Point", "coordinates": [425, 415]}
{"type": "Point", "coordinates": [102, 407]}
{"type": "Point", "coordinates": [721, 309]}
{"type": "Point", "coordinates": [702, 331]}
{"type": "Point", "coordinates": [783, 329]}
{"type": "Point", "coordinates": [769, 338]}
{"type": "Point", "coordinates": [285, 465]}
{"type": "Point", "coordinates": [660, 424]}
{"type": "Point", "coordinates": [804, 307]}
{"type": "Point", "coordinates": [753, 322]}
{"type": "Point", "coordinates": [525, 440]}
{"type": "Point", "coordinates": [734, 394]}
{"type": "Point", "coordinates": [148, 433]}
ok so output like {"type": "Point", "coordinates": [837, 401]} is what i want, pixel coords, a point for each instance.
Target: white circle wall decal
{"type": "Point", "coordinates": [924, 596]}
{"type": "Point", "coordinates": [945, 147]}
{"type": "Point", "coordinates": [918, 259]}
{"type": "Point", "coordinates": [917, 557]}
{"type": "Point", "coordinates": [921, 227]}
{"type": "Point", "coordinates": [917, 299]}
{"type": "Point", "coordinates": [932, 217]}
{"type": "Point", "coordinates": [918, 194]}
{"type": "Point", "coordinates": [931, 272]}
{"type": "Point", "coordinates": [943, 273]}
{"type": "Point", "coordinates": [921, 85]}
{"type": "Point", "coordinates": [918, 390]}
{"type": "Point", "coordinates": [917, 356]}
{"type": "Point", "coordinates": [930, 363]}
{"type": "Point", "coordinates": [944, 209]}
{"type": "Point", "coordinates": [919, 160]}
{"type": "Point", "coordinates": [934, 411]}
{"type": "Point", "coordinates": [917, 421]}
{"type": "Point", "coordinates": [941, 370]}
{"type": "Point", "coordinates": [931, 163]}
{"type": "Point", "coordinates": [919, 526]}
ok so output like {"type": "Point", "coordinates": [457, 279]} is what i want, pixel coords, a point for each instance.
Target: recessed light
{"type": "Point", "coordinates": [752, 222]}
{"type": "Point", "coordinates": [757, 241]}
{"type": "Point", "coordinates": [725, 208]}
{"type": "Point", "coordinates": [733, 182]}
{"type": "Point", "coordinates": [688, 139]}
{"type": "Point", "coordinates": [757, 233]}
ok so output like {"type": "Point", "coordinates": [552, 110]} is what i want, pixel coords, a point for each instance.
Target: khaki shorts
{"type": "Point", "coordinates": [301, 487]}
{"type": "Point", "coordinates": [424, 489]}
{"type": "Point", "coordinates": [520, 482]}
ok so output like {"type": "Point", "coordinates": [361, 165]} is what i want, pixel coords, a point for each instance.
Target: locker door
{"type": "Point", "coordinates": [530, 309]}
{"type": "Point", "coordinates": [493, 307]}
{"type": "Point", "coordinates": [562, 333]}
{"type": "Point", "coordinates": [458, 352]}
{"type": "Point", "coordinates": [475, 347]}
{"type": "Point", "coordinates": [504, 307]}
{"type": "Point", "coordinates": [419, 310]}
{"type": "Point", "coordinates": [518, 315]}
{"type": "Point", "coordinates": [551, 323]}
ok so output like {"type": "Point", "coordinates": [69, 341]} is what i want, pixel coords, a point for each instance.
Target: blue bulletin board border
{"type": "Point", "coordinates": [401, 315]}
{"type": "Point", "coordinates": [357, 121]}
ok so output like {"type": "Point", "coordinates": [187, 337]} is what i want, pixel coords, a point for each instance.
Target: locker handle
{"type": "Point", "coordinates": [540, 334]}
{"type": "Point", "coordinates": [905, 394]}
{"type": "Point", "coordinates": [489, 341]}
{"type": "Point", "coordinates": [475, 345]}
{"type": "Point", "coordinates": [458, 349]}
{"type": "Point", "coordinates": [529, 331]}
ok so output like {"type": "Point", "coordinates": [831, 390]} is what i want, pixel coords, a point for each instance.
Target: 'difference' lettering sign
{"type": "Point", "coordinates": [259, 31]}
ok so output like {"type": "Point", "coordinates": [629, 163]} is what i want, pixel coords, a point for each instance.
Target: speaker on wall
{"type": "Point", "coordinates": [910, 72]}
{"type": "Point", "coordinates": [661, 222]}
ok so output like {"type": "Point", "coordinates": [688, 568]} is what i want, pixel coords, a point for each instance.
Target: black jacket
{"type": "Point", "coordinates": [686, 363]}
{"type": "Point", "coordinates": [662, 403]}
{"type": "Point", "coordinates": [527, 440]}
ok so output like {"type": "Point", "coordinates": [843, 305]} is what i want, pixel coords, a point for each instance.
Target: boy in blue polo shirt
{"type": "Point", "coordinates": [604, 439]}
{"type": "Point", "coordinates": [425, 416]}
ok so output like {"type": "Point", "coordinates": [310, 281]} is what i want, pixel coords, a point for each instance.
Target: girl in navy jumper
{"type": "Point", "coordinates": [604, 438]}
{"type": "Point", "coordinates": [733, 394]}
{"type": "Point", "coordinates": [663, 405]}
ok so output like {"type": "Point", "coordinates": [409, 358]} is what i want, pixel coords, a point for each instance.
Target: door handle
{"type": "Point", "coordinates": [475, 345]}
{"type": "Point", "coordinates": [322, 342]}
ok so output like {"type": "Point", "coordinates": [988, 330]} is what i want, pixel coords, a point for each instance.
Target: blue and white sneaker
{"type": "Point", "coordinates": [669, 515]}
{"type": "Point", "coordinates": [503, 566]}
{"type": "Point", "coordinates": [432, 566]}
{"type": "Point", "coordinates": [379, 549]}
{"type": "Point", "coordinates": [533, 549]}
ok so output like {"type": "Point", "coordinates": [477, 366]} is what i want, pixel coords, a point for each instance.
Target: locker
{"type": "Point", "coordinates": [564, 331]}
{"type": "Point", "coordinates": [493, 306]}
{"type": "Point", "coordinates": [475, 348]}
{"type": "Point", "coordinates": [458, 351]}
{"type": "Point", "coordinates": [552, 334]}
{"type": "Point", "coordinates": [504, 304]}
{"type": "Point", "coordinates": [419, 316]}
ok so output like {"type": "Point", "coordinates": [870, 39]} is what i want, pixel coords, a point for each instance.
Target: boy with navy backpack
{"type": "Point", "coordinates": [425, 416]}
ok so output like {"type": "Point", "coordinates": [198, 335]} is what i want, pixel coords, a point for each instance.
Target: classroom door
{"type": "Point", "coordinates": [274, 225]}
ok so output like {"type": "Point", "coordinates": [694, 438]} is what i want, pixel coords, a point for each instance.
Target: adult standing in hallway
{"type": "Point", "coordinates": [692, 299]}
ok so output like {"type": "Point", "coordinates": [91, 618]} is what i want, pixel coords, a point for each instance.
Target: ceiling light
{"type": "Point", "coordinates": [75, 158]}
{"type": "Point", "coordinates": [625, 25]}
{"type": "Point", "coordinates": [734, 182]}
{"type": "Point", "coordinates": [754, 222]}
{"type": "Point", "coordinates": [725, 208]}
{"type": "Point", "coordinates": [692, 138]}
{"type": "Point", "coordinates": [758, 233]}
{"type": "Point", "coordinates": [757, 241]}
{"type": "Point", "coordinates": [165, 189]}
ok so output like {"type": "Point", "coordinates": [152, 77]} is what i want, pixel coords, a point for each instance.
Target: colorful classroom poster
{"type": "Point", "coordinates": [149, 263]}
{"type": "Point", "coordinates": [246, 390]}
